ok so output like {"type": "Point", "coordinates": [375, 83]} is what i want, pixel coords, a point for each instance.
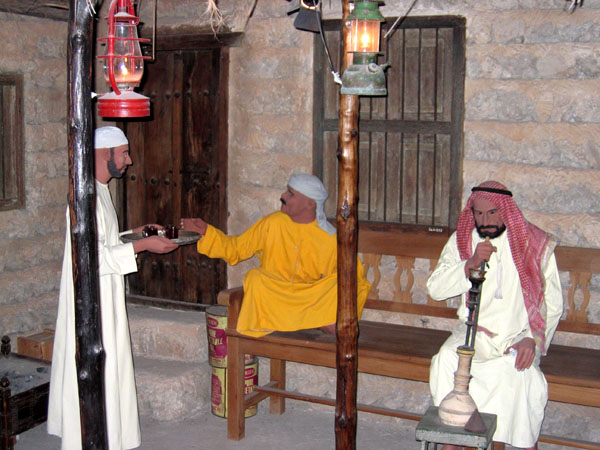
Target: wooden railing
{"type": "Point", "coordinates": [580, 263]}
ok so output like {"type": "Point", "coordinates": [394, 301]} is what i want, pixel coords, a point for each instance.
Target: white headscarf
{"type": "Point", "coordinates": [109, 137]}
{"type": "Point", "coordinates": [312, 187]}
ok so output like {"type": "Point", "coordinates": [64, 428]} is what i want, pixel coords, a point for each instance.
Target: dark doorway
{"type": "Point", "coordinates": [180, 169]}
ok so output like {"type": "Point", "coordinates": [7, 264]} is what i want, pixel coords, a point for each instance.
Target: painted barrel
{"type": "Point", "coordinates": [216, 324]}
{"type": "Point", "coordinates": [218, 395]}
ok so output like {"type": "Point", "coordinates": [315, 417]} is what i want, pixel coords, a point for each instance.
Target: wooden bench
{"type": "Point", "coordinates": [404, 351]}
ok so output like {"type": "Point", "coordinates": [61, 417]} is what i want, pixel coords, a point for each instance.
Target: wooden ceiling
{"type": "Point", "coordinates": [47, 9]}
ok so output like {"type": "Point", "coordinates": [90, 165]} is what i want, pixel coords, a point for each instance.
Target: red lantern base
{"type": "Point", "coordinates": [127, 104]}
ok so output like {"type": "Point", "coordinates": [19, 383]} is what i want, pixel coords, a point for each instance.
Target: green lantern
{"type": "Point", "coordinates": [364, 76]}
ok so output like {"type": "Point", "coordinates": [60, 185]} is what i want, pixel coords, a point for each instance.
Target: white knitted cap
{"type": "Point", "coordinates": [109, 137]}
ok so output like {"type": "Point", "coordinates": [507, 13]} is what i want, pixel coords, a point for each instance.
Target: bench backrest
{"type": "Point", "coordinates": [406, 247]}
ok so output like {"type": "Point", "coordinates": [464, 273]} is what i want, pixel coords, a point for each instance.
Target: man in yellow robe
{"type": "Point", "coordinates": [295, 287]}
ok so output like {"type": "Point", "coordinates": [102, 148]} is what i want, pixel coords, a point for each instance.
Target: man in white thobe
{"type": "Point", "coordinates": [521, 304]}
{"type": "Point", "coordinates": [115, 260]}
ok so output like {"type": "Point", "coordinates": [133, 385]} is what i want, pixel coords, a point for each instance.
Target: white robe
{"type": "Point", "coordinates": [115, 260]}
{"type": "Point", "coordinates": [517, 398]}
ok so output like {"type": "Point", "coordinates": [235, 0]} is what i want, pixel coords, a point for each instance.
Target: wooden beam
{"type": "Point", "coordinates": [269, 390]}
{"type": "Point", "coordinates": [347, 247]}
{"type": "Point", "coordinates": [191, 38]}
{"type": "Point", "coordinates": [46, 9]}
{"type": "Point", "coordinates": [89, 354]}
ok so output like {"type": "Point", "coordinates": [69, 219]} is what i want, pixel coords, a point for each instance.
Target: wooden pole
{"type": "Point", "coordinates": [347, 234]}
{"type": "Point", "coordinates": [89, 357]}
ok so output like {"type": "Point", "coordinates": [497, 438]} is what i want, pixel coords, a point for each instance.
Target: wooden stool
{"type": "Point", "coordinates": [431, 430]}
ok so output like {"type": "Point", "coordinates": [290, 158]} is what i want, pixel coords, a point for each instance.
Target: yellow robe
{"type": "Point", "coordinates": [295, 287]}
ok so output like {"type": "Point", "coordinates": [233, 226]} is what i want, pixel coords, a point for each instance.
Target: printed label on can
{"type": "Point", "coordinates": [216, 324]}
{"type": "Point", "coordinates": [219, 389]}
{"type": "Point", "coordinates": [217, 340]}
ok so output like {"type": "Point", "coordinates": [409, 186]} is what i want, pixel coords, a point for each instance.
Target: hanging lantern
{"type": "Point", "coordinates": [364, 76]}
{"type": "Point", "coordinates": [123, 64]}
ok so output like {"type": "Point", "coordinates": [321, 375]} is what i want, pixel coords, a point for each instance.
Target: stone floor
{"type": "Point", "coordinates": [297, 429]}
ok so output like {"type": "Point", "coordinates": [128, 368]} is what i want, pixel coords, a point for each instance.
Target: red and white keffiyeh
{"type": "Point", "coordinates": [527, 244]}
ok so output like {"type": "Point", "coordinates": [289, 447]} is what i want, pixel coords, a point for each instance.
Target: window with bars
{"type": "Point", "coordinates": [410, 141]}
{"type": "Point", "coordinates": [12, 195]}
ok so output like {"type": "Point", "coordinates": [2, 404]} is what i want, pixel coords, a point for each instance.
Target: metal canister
{"type": "Point", "coordinates": [216, 324]}
{"type": "Point", "coordinates": [219, 389]}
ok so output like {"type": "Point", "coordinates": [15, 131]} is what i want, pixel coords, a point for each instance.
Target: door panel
{"type": "Point", "coordinates": [180, 163]}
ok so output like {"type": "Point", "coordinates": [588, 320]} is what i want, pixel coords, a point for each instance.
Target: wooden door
{"type": "Point", "coordinates": [180, 170]}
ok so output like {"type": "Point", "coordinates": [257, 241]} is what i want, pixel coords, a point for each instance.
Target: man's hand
{"type": "Point", "coordinates": [154, 244]}
{"type": "Point", "coordinates": [198, 225]}
{"type": "Point", "coordinates": [525, 353]}
{"type": "Point", "coordinates": [483, 252]}
{"type": "Point", "coordinates": [140, 229]}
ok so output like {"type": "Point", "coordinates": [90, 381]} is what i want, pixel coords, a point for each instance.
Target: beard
{"type": "Point", "coordinates": [491, 231]}
{"type": "Point", "coordinates": [113, 170]}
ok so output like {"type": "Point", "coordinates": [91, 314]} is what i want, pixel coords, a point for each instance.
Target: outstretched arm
{"type": "Point", "coordinates": [198, 225]}
{"type": "Point", "coordinates": [154, 244]}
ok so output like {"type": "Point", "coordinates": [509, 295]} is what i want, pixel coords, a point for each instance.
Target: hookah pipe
{"type": "Point", "coordinates": [476, 277]}
{"type": "Point", "coordinates": [458, 407]}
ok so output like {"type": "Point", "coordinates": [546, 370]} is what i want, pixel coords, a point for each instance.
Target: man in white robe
{"type": "Point", "coordinates": [115, 260]}
{"type": "Point", "coordinates": [521, 304]}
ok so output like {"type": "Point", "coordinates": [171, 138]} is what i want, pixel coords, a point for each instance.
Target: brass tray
{"type": "Point", "coordinates": [185, 237]}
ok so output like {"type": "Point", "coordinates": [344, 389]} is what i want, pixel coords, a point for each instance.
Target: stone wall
{"type": "Point", "coordinates": [31, 239]}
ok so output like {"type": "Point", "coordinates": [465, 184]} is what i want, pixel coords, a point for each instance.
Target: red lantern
{"type": "Point", "coordinates": [123, 64]}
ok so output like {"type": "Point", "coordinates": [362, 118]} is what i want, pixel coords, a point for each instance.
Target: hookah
{"type": "Point", "coordinates": [458, 408]}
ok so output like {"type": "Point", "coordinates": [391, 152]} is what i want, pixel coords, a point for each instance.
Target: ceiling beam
{"type": "Point", "coordinates": [47, 9]}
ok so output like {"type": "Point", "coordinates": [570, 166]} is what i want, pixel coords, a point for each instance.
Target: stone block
{"type": "Point", "coordinates": [545, 61]}
{"type": "Point", "coordinates": [574, 230]}
{"type": "Point", "coordinates": [52, 48]}
{"type": "Point", "coordinates": [171, 390]}
{"type": "Point", "coordinates": [258, 203]}
{"type": "Point", "coordinates": [30, 315]}
{"type": "Point", "coordinates": [168, 334]}
{"type": "Point", "coordinates": [268, 133]}
{"type": "Point", "coordinates": [49, 165]}
{"type": "Point", "coordinates": [275, 33]}
{"type": "Point", "coordinates": [274, 97]}
{"type": "Point", "coordinates": [532, 101]}
{"type": "Point", "coordinates": [281, 167]}
{"type": "Point", "coordinates": [547, 145]}
{"type": "Point", "coordinates": [24, 285]}
{"type": "Point", "coordinates": [546, 190]}
{"type": "Point", "coordinates": [46, 191]}
{"type": "Point", "coordinates": [18, 254]}
{"type": "Point", "coordinates": [529, 26]}
{"type": "Point", "coordinates": [272, 64]}
{"type": "Point", "coordinates": [48, 136]}
{"type": "Point", "coordinates": [50, 74]}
